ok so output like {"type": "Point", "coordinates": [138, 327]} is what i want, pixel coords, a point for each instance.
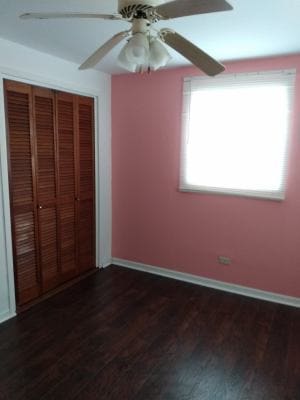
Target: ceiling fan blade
{"type": "Point", "coordinates": [69, 15]}
{"type": "Point", "coordinates": [198, 57]}
{"type": "Point", "coordinates": [179, 8]}
{"type": "Point", "coordinates": [103, 50]}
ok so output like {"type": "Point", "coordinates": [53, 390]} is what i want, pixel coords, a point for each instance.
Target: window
{"type": "Point", "coordinates": [235, 133]}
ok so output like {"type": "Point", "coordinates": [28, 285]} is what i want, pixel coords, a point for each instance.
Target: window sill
{"type": "Point", "coordinates": [273, 196]}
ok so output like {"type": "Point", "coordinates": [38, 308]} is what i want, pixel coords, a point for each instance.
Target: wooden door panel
{"type": "Point", "coordinates": [18, 110]}
{"type": "Point", "coordinates": [66, 146]}
{"type": "Point", "coordinates": [26, 264]}
{"type": "Point", "coordinates": [86, 235]}
{"type": "Point", "coordinates": [65, 104]}
{"type": "Point", "coordinates": [86, 148]}
{"type": "Point", "coordinates": [48, 247]}
{"type": "Point", "coordinates": [86, 186]}
{"type": "Point", "coordinates": [45, 143]}
{"type": "Point", "coordinates": [18, 99]}
{"type": "Point", "coordinates": [44, 126]}
{"type": "Point", "coordinates": [68, 240]}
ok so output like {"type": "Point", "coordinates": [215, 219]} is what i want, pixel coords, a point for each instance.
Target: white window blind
{"type": "Point", "coordinates": [235, 133]}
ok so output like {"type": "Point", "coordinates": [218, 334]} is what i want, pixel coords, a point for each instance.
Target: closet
{"type": "Point", "coordinates": [50, 137]}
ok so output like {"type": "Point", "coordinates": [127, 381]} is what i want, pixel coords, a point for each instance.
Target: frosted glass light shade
{"type": "Point", "coordinates": [124, 62]}
{"type": "Point", "coordinates": [159, 56]}
{"type": "Point", "coordinates": [137, 49]}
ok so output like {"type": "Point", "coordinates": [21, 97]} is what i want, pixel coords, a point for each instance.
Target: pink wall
{"type": "Point", "coordinates": [155, 224]}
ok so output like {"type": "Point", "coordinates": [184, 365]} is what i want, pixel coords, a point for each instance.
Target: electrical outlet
{"type": "Point", "coordinates": [224, 260]}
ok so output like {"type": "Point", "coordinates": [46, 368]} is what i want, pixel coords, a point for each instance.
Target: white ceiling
{"type": "Point", "coordinates": [255, 28]}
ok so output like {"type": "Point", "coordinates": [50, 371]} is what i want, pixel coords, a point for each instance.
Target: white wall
{"type": "Point", "coordinates": [21, 63]}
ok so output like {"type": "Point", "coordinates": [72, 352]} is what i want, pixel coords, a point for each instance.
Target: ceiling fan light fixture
{"type": "Point", "coordinates": [125, 63]}
{"type": "Point", "coordinates": [137, 49]}
{"type": "Point", "coordinates": [145, 51]}
{"type": "Point", "coordinates": [159, 55]}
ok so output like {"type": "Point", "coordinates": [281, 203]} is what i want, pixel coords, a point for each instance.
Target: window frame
{"type": "Point", "coordinates": [196, 83]}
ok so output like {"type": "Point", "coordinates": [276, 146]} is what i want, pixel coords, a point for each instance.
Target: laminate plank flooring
{"type": "Point", "coordinates": [126, 335]}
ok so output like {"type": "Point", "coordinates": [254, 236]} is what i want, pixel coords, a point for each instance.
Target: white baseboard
{"type": "Point", "coordinates": [211, 283]}
{"type": "Point", "coordinates": [107, 264]}
{"type": "Point", "coordinates": [6, 316]}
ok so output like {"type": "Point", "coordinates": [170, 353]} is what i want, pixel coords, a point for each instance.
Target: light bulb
{"type": "Point", "coordinates": [137, 49]}
{"type": "Point", "coordinates": [159, 56]}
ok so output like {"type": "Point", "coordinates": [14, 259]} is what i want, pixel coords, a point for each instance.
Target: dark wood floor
{"type": "Point", "coordinates": [123, 335]}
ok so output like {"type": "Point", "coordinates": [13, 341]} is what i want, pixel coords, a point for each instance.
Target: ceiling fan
{"type": "Point", "coordinates": [144, 50]}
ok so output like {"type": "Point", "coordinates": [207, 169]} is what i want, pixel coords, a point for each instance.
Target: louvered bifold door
{"type": "Point", "coordinates": [46, 176]}
{"type": "Point", "coordinates": [66, 121]}
{"type": "Point", "coordinates": [22, 190]}
{"type": "Point", "coordinates": [85, 184]}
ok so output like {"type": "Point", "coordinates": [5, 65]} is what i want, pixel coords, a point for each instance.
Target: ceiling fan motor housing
{"type": "Point", "coordinates": [151, 3]}
{"type": "Point", "coordinates": [129, 7]}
